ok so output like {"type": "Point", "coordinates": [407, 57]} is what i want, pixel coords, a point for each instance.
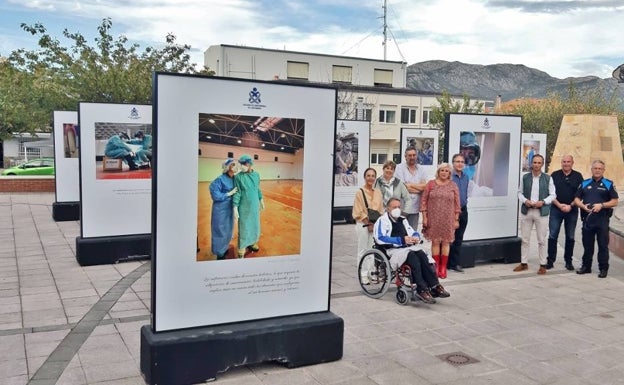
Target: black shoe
{"type": "Point", "coordinates": [569, 266]}
{"type": "Point", "coordinates": [457, 268]}
{"type": "Point", "coordinates": [602, 274]}
{"type": "Point", "coordinates": [583, 270]}
{"type": "Point", "coordinates": [549, 266]}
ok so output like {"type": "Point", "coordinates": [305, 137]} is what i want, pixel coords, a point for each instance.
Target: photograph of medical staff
{"type": "Point", "coordinates": [249, 186]}
{"type": "Point", "coordinates": [120, 153]}
{"type": "Point", "coordinates": [346, 160]}
{"type": "Point", "coordinates": [424, 146]}
{"type": "Point", "coordinates": [70, 140]}
{"type": "Point", "coordinates": [487, 162]}
{"type": "Point", "coordinates": [530, 148]}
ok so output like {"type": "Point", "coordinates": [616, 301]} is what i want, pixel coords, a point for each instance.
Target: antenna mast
{"type": "Point", "coordinates": [385, 29]}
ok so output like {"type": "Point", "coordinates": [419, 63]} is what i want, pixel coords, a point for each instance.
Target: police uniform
{"type": "Point", "coordinates": [596, 225]}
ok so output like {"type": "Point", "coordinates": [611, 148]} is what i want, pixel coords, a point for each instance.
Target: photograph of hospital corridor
{"type": "Point", "coordinates": [275, 147]}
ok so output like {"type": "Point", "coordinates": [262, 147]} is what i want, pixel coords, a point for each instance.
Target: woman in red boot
{"type": "Point", "coordinates": [440, 215]}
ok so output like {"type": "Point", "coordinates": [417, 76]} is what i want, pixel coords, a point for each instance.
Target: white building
{"type": "Point", "coordinates": [369, 89]}
{"type": "Point", "coordinates": [23, 147]}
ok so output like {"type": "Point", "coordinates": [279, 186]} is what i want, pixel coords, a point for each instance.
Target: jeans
{"type": "Point", "coordinates": [459, 238]}
{"type": "Point", "coordinates": [557, 217]}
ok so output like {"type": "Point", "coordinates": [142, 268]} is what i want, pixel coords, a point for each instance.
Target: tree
{"type": "Point", "coordinates": [545, 115]}
{"type": "Point", "coordinates": [56, 77]}
{"type": "Point", "coordinates": [448, 104]}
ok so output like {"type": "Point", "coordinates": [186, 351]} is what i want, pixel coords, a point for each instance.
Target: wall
{"type": "Point", "coordinates": [27, 184]}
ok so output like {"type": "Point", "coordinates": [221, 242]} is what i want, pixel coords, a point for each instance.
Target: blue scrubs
{"type": "Point", "coordinates": [222, 219]}
{"type": "Point", "coordinates": [145, 153]}
{"type": "Point", "coordinates": [116, 148]}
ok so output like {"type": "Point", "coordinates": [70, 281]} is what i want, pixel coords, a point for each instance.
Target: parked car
{"type": "Point", "coordinates": [41, 166]}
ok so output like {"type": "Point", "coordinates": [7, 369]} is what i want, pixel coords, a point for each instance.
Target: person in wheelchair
{"type": "Point", "coordinates": [393, 233]}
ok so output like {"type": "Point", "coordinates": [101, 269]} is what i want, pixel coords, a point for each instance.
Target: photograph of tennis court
{"type": "Point", "coordinates": [273, 148]}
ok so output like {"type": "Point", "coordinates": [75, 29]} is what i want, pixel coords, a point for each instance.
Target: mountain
{"type": "Point", "coordinates": [511, 81]}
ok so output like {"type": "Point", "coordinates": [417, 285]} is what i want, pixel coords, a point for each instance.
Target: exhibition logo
{"type": "Point", "coordinates": [255, 103]}
{"type": "Point", "coordinates": [134, 113]}
{"type": "Point", "coordinates": [486, 124]}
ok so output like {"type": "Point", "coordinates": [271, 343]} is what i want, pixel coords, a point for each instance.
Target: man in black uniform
{"type": "Point", "coordinates": [563, 210]}
{"type": "Point", "coordinates": [596, 197]}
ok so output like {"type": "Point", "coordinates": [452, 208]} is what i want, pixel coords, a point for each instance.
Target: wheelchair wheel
{"type": "Point", "coordinates": [403, 296]}
{"type": "Point", "coordinates": [374, 273]}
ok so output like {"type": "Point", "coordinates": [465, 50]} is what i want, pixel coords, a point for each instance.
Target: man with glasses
{"type": "Point", "coordinates": [461, 180]}
{"type": "Point", "coordinates": [596, 198]}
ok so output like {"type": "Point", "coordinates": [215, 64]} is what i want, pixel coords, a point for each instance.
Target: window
{"type": "Point", "coordinates": [29, 152]}
{"type": "Point", "coordinates": [341, 74]}
{"type": "Point", "coordinates": [297, 70]}
{"type": "Point", "coordinates": [396, 158]}
{"type": "Point", "coordinates": [408, 115]}
{"type": "Point", "coordinates": [368, 114]}
{"type": "Point", "coordinates": [382, 78]}
{"type": "Point", "coordinates": [426, 116]}
{"type": "Point", "coordinates": [378, 158]}
{"type": "Point", "coordinates": [387, 114]}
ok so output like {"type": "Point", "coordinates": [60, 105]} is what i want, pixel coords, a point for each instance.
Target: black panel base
{"type": "Point", "coordinates": [65, 211]}
{"type": "Point", "coordinates": [107, 250]}
{"type": "Point", "coordinates": [340, 214]}
{"type": "Point", "coordinates": [197, 355]}
{"type": "Point", "coordinates": [505, 249]}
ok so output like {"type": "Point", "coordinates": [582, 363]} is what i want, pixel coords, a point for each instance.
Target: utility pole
{"type": "Point", "coordinates": [385, 29]}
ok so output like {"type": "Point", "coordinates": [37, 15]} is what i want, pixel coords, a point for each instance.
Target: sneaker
{"type": "Point", "coordinates": [255, 248]}
{"type": "Point", "coordinates": [542, 270]}
{"type": "Point", "coordinates": [521, 267]}
{"type": "Point", "coordinates": [241, 253]}
{"type": "Point", "coordinates": [364, 280]}
{"type": "Point", "coordinates": [438, 291]}
{"type": "Point", "coordinates": [424, 296]}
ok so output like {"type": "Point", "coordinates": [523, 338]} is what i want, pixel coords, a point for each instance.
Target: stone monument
{"type": "Point", "coordinates": [588, 138]}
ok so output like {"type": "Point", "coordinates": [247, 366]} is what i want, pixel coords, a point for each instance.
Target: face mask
{"type": "Point", "coordinates": [244, 168]}
{"type": "Point", "coordinates": [470, 171]}
{"type": "Point", "coordinates": [395, 212]}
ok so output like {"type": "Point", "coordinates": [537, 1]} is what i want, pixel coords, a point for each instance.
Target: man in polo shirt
{"type": "Point", "coordinates": [536, 193]}
{"type": "Point", "coordinates": [563, 210]}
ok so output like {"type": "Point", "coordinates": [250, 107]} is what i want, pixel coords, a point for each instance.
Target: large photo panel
{"type": "Point", "coordinates": [115, 169]}
{"type": "Point", "coordinates": [490, 145]}
{"type": "Point", "coordinates": [242, 200]}
{"type": "Point", "coordinates": [532, 144]}
{"type": "Point", "coordinates": [350, 160]}
{"type": "Point", "coordinates": [426, 143]}
{"type": "Point", "coordinates": [66, 152]}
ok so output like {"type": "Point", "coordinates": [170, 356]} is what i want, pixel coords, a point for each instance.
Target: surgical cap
{"type": "Point", "coordinates": [245, 159]}
{"type": "Point", "coordinates": [226, 165]}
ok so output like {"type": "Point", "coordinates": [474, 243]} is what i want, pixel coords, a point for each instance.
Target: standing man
{"type": "Point", "coordinates": [596, 197]}
{"type": "Point", "coordinates": [536, 193]}
{"type": "Point", "coordinates": [247, 203]}
{"type": "Point", "coordinates": [461, 180]}
{"type": "Point", "coordinates": [563, 210]}
{"type": "Point", "coordinates": [415, 179]}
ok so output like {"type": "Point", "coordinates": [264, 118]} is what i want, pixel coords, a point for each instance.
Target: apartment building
{"type": "Point", "coordinates": [368, 89]}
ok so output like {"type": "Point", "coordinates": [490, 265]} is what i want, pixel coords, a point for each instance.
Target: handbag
{"type": "Point", "coordinates": [373, 215]}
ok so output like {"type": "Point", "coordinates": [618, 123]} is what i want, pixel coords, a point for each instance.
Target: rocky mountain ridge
{"type": "Point", "coordinates": [511, 81]}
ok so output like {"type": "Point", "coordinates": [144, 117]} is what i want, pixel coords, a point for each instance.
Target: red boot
{"type": "Point", "coordinates": [443, 262]}
{"type": "Point", "coordinates": [436, 258]}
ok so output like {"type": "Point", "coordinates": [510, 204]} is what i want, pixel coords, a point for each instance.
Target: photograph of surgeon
{"type": "Point", "coordinates": [487, 162]}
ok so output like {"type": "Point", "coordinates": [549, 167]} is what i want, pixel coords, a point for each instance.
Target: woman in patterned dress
{"type": "Point", "coordinates": [440, 212]}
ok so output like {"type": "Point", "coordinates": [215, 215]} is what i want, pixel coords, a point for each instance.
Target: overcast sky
{"type": "Point", "coordinates": [563, 38]}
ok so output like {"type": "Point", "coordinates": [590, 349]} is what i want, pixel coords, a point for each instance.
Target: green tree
{"type": "Point", "coordinates": [56, 77]}
{"type": "Point", "coordinates": [448, 104]}
{"type": "Point", "coordinates": [545, 115]}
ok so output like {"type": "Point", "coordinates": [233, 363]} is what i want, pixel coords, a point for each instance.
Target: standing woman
{"type": "Point", "coordinates": [367, 197]}
{"type": "Point", "coordinates": [391, 186]}
{"type": "Point", "coordinates": [440, 212]}
{"type": "Point", "coordinates": [247, 205]}
{"type": "Point", "coordinates": [222, 216]}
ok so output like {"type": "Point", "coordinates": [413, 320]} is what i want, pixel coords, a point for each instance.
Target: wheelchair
{"type": "Point", "coordinates": [375, 276]}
